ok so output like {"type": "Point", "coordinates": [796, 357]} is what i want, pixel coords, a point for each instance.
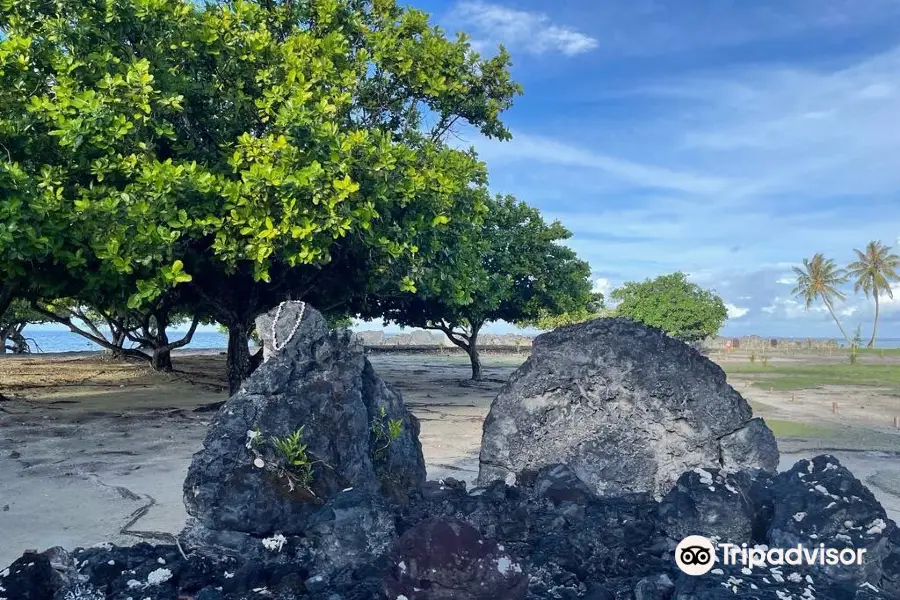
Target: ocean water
{"type": "Point", "coordinates": [49, 340]}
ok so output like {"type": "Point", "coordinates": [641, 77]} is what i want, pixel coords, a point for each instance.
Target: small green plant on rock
{"type": "Point", "coordinates": [294, 453]}
{"type": "Point", "coordinates": [386, 431]}
{"type": "Point", "coordinates": [286, 456]}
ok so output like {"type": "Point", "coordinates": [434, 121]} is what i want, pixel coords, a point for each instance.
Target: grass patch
{"type": "Point", "coordinates": [798, 377]}
{"type": "Point", "coordinates": [790, 429]}
{"type": "Point", "coordinates": [880, 351]}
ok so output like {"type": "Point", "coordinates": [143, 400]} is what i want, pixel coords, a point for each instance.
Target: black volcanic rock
{"type": "Point", "coordinates": [819, 501]}
{"type": "Point", "coordinates": [733, 508]}
{"type": "Point", "coordinates": [568, 543]}
{"type": "Point", "coordinates": [447, 560]}
{"type": "Point", "coordinates": [323, 383]}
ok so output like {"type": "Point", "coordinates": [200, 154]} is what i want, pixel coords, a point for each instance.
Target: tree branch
{"type": "Point", "coordinates": [100, 341]}
{"type": "Point", "coordinates": [442, 127]}
{"type": "Point", "coordinates": [84, 319]}
{"type": "Point", "coordinates": [185, 340]}
{"type": "Point", "coordinates": [458, 339]}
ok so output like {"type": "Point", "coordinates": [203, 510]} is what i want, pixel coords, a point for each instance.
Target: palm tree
{"type": "Point", "coordinates": [820, 278]}
{"type": "Point", "coordinates": [873, 273]}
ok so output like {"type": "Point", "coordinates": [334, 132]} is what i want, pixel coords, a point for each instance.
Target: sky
{"type": "Point", "coordinates": [722, 138]}
{"type": "Point", "coordinates": [727, 139]}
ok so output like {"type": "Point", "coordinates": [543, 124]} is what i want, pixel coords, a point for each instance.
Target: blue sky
{"type": "Point", "coordinates": [722, 138]}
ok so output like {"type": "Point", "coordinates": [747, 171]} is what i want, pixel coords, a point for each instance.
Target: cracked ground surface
{"type": "Point", "coordinates": [93, 451]}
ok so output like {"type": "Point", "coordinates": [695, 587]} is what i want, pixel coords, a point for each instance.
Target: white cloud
{"type": "Point", "coordinates": [654, 28]}
{"type": "Point", "coordinates": [847, 311]}
{"type": "Point", "coordinates": [603, 286]}
{"type": "Point", "coordinates": [805, 129]}
{"type": "Point", "coordinates": [732, 172]}
{"type": "Point", "coordinates": [786, 280]}
{"type": "Point", "coordinates": [528, 148]}
{"type": "Point", "coordinates": [492, 24]}
{"type": "Point", "coordinates": [735, 312]}
{"type": "Point", "coordinates": [790, 308]}
{"type": "Point", "coordinates": [888, 305]}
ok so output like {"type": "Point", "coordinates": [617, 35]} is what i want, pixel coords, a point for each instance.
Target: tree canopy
{"type": "Point", "coordinates": [873, 272]}
{"type": "Point", "coordinates": [682, 309]}
{"type": "Point", "coordinates": [821, 278]}
{"type": "Point", "coordinates": [506, 265]}
{"type": "Point", "coordinates": [249, 151]}
{"type": "Point", "coordinates": [594, 309]}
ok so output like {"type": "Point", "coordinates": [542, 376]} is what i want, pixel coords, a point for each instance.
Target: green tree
{"type": "Point", "coordinates": [506, 264]}
{"type": "Point", "coordinates": [595, 309]}
{"type": "Point", "coordinates": [250, 151]}
{"type": "Point", "coordinates": [88, 322]}
{"type": "Point", "coordinates": [820, 278]}
{"type": "Point", "coordinates": [112, 325]}
{"type": "Point", "coordinates": [682, 309]}
{"type": "Point", "coordinates": [13, 320]}
{"type": "Point", "coordinates": [872, 272]}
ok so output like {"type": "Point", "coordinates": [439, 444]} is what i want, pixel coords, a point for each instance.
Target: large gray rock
{"type": "Point", "coordinates": [626, 407]}
{"type": "Point", "coordinates": [319, 381]}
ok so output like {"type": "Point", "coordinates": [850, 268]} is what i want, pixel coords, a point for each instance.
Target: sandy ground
{"type": "Point", "coordinates": [94, 451]}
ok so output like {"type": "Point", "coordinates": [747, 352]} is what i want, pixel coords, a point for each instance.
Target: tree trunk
{"type": "Point", "coordinates": [118, 341]}
{"type": "Point", "coordinates": [834, 316]}
{"type": "Point", "coordinates": [6, 298]}
{"type": "Point", "coordinates": [239, 359]}
{"type": "Point", "coordinates": [472, 350]}
{"type": "Point", "coordinates": [20, 344]}
{"type": "Point", "coordinates": [162, 354]}
{"type": "Point", "coordinates": [871, 343]}
{"type": "Point", "coordinates": [468, 342]}
{"type": "Point", "coordinates": [2, 342]}
{"type": "Point", "coordinates": [162, 360]}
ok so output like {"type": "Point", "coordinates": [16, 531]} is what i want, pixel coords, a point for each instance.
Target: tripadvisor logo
{"type": "Point", "coordinates": [696, 555]}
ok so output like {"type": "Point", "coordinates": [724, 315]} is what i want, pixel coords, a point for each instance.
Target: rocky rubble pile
{"type": "Point", "coordinates": [548, 537]}
{"type": "Point", "coordinates": [342, 512]}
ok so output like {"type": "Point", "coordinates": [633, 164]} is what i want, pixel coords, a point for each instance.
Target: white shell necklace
{"type": "Point", "coordinates": [290, 336]}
